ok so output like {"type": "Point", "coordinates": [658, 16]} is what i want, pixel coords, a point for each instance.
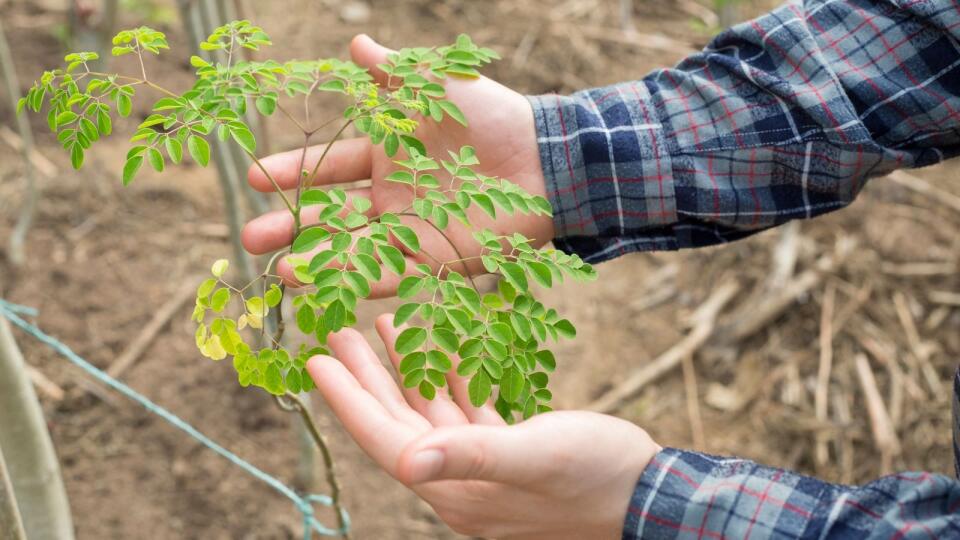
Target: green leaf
{"type": "Point", "coordinates": [66, 117]}
{"type": "Point", "coordinates": [130, 168]}
{"type": "Point", "coordinates": [314, 196]}
{"type": "Point", "coordinates": [427, 390]}
{"type": "Point", "coordinates": [392, 258]}
{"type": "Point", "coordinates": [439, 361]}
{"type": "Point", "coordinates": [410, 339]}
{"type": "Point", "coordinates": [358, 283]}
{"type": "Point", "coordinates": [404, 313]}
{"type": "Point", "coordinates": [155, 159]}
{"type": "Point", "coordinates": [198, 62]}
{"type": "Point", "coordinates": [104, 125]}
{"type": "Point", "coordinates": [501, 332]}
{"type": "Point", "coordinates": [540, 272]}
{"type": "Point", "coordinates": [453, 111]}
{"type": "Point", "coordinates": [174, 149]}
{"type": "Point", "coordinates": [367, 266]}
{"type": "Point", "coordinates": [511, 384]}
{"type": "Point", "coordinates": [547, 360]}
{"type": "Point", "coordinates": [479, 389]}
{"type": "Point", "coordinates": [199, 149]}
{"type": "Point", "coordinates": [413, 361]}
{"type": "Point", "coordinates": [309, 239]}
{"type": "Point", "coordinates": [219, 299]}
{"type": "Point", "coordinates": [391, 144]}
{"type": "Point", "coordinates": [243, 137]}
{"type": "Point", "coordinates": [566, 329]}
{"type": "Point", "coordinates": [266, 105]}
{"type": "Point", "coordinates": [124, 105]}
{"type": "Point", "coordinates": [515, 276]}
{"type": "Point", "coordinates": [410, 286]}
{"type": "Point", "coordinates": [76, 156]}
{"type": "Point", "coordinates": [306, 319]}
{"type": "Point", "coordinates": [293, 381]}
{"type": "Point", "coordinates": [401, 177]}
{"type": "Point", "coordinates": [334, 316]}
{"type": "Point", "coordinates": [407, 237]}
{"type": "Point", "coordinates": [468, 366]}
{"type": "Point", "coordinates": [445, 339]}
{"type": "Point", "coordinates": [219, 267]}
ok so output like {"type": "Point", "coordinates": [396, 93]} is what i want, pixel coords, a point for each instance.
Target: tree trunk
{"type": "Point", "coordinates": [11, 527]}
{"type": "Point", "coordinates": [30, 458]}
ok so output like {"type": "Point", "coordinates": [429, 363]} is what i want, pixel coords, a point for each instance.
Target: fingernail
{"type": "Point", "coordinates": [426, 465]}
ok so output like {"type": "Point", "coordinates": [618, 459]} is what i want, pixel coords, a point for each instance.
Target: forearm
{"type": "Point", "coordinates": [685, 493]}
{"type": "Point", "coordinates": [784, 117]}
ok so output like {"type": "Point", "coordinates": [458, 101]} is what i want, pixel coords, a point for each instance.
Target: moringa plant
{"type": "Point", "coordinates": [500, 336]}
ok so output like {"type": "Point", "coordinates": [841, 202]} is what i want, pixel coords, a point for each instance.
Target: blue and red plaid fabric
{"type": "Point", "coordinates": [690, 495]}
{"type": "Point", "coordinates": [784, 117]}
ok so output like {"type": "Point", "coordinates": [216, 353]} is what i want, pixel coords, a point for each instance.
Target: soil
{"type": "Point", "coordinates": [103, 258]}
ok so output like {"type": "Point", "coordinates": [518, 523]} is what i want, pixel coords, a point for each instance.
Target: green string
{"type": "Point", "coordinates": [303, 503]}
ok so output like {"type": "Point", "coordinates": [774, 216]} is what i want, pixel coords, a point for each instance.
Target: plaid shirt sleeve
{"type": "Point", "coordinates": [783, 117]}
{"type": "Point", "coordinates": [686, 495]}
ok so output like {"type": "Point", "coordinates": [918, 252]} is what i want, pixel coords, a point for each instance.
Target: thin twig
{"type": "Point", "coordinates": [884, 436]}
{"type": "Point", "coordinates": [704, 322]}
{"type": "Point", "coordinates": [161, 317]}
{"type": "Point", "coordinates": [823, 374]}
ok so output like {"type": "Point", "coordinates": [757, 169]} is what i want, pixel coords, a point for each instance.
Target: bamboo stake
{"type": "Point", "coordinates": [28, 450]}
{"type": "Point", "coordinates": [29, 205]}
{"type": "Point", "coordinates": [11, 526]}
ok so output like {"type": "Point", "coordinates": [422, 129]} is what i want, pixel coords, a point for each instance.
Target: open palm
{"type": "Point", "coordinates": [558, 475]}
{"type": "Point", "coordinates": [500, 128]}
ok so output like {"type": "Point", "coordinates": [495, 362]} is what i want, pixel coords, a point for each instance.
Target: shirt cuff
{"type": "Point", "coordinates": [607, 167]}
{"type": "Point", "coordinates": [683, 493]}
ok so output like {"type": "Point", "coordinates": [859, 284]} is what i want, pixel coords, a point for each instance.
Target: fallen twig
{"type": "Point", "coordinates": [884, 435]}
{"type": "Point", "coordinates": [703, 324]}
{"type": "Point", "coordinates": [921, 186]}
{"type": "Point", "coordinates": [693, 402]}
{"type": "Point", "coordinates": [823, 374]}
{"type": "Point", "coordinates": [44, 385]}
{"type": "Point", "coordinates": [160, 319]}
{"type": "Point", "coordinates": [754, 317]}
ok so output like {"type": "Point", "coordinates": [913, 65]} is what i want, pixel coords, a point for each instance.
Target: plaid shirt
{"type": "Point", "coordinates": [784, 117]}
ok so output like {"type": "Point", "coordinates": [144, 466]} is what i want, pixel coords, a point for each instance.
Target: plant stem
{"type": "Point", "coordinates": [460, 257]}
{"type": "Point", "coordinates": [309, 181]}
{"type": "Point", "coordinates": [295, 404]}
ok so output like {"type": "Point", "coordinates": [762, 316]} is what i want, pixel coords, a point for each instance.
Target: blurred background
{"type": "Point", "coordinates": [872, 291]}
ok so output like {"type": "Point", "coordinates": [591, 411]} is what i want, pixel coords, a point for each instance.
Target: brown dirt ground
{"type": "Point", "coordinates": [103, 258]}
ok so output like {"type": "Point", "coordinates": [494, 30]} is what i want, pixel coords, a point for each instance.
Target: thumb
{"type": "Point", "coordinates": [493, 453]}
{"type": "Point", "coordinates": [367, 53]}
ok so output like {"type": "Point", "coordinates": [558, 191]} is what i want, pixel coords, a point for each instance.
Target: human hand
{"type": "Point", "coordinates": [501, 130]}
{"type": "Point", "coordinates": [558, 475]}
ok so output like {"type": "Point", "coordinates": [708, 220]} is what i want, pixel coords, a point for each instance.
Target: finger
{"type": "Point", "coordinates": [368, 53]}
{"type": "Point", "coordinates": [485, 415]}
{"type": "Point", "coordinates": [440, 411]}
{"type": "Point", "coordinates": [274, 230]}
{"type": "Point", "coordinates": [377, 432]}
{"type": "Point", "coordinates": [350, 347]}
{"type": "Point", "coordinates": [497, 454]}
{"type": "Point", "coordinates": [348, 160]}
